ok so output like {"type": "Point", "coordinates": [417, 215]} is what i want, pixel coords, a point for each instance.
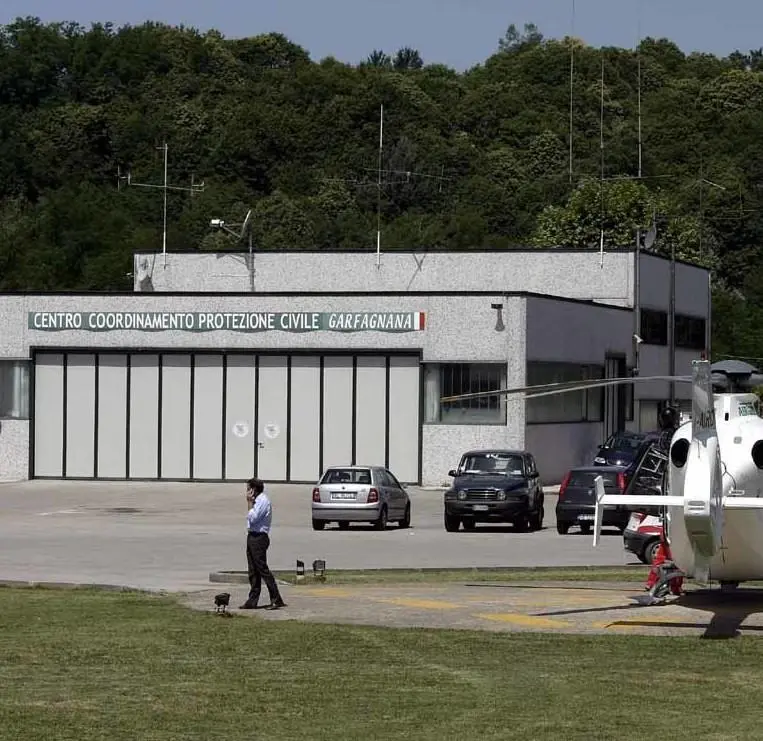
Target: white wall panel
{"type": "Point", "coordinates": [80, 416]}
{"type": "Point", "coordinates": [240, 428]}
{"type": "Point", "coordinates": [207, 416]}
{"type": "Point", "coordinates": [48, 414]}
{"type": "Point", "coordinates": [370, 400]}
{"type": "Point", "coordinates": [144, 416]}
{"type": "Point", "coordinates": [271, 417]}
{"type": "Point", "coordinates": [176, 416]}
{"type": "Point", "coordinates": [337, 411]}
{"type": "Point", "coordinates": [305, 418]}
{"type": "Point", "coordinates": [404, 392]}
{"type": "Point", "coordinates": [112, 416]}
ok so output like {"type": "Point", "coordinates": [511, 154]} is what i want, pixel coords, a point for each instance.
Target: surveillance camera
{"type": "Point", "coordinates": [638, 339]}
{"type": "Point", "coordinates": [496, 306]}
{"type": "Point", "coordinates": [216, 223]}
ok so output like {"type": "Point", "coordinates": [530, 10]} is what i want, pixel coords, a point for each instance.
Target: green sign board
{"type": "Point", "coordinates": [231, 321]}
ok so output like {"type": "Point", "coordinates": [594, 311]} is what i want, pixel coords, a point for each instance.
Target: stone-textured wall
{"type": "Point", "coordinates": [14, 449]}
{"type": "Point", "coordinates": [574, 274]}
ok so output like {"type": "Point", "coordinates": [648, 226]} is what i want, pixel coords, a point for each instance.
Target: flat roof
{"type": "Point", "coordinates": [311, 294]}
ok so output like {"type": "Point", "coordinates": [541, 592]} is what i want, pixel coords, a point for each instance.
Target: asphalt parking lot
{"type": "Point", "coordinates": [168, 536]}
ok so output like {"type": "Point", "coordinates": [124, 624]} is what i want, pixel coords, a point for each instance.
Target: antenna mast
{"type": "Point", "coordinates": [379, 187]}
{"type": "Point", "coordinates": [601, 157]}
{"type": "Point", "coordinates": [572, 78]}
{"type": "Point", "coordinates": [165, 186]}
{"type": "Point", "coordinates": [638, 58]}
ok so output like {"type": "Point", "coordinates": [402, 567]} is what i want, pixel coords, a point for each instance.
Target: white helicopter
{"type": "Point", "coordinates": [712, 492]}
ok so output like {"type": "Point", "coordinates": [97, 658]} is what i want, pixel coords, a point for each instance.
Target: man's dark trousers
{"type": "Point", "coordinates": [256, 558]}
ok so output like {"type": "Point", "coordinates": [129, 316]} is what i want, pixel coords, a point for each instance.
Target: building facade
{"type": "Point", "coordinates": [218, 367]}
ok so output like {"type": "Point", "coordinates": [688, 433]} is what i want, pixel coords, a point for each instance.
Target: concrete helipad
{"type": "Point", "coordinates": [591, 608]}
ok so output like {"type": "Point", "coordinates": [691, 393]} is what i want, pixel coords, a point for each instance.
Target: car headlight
{"type": "Point", "coordinates": [501, 495]}
{"type": "Point", "coordinates": [462, 494]}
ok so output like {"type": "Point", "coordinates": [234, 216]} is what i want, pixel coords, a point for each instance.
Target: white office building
{"type": "Point", "coordinates": [219, 368]}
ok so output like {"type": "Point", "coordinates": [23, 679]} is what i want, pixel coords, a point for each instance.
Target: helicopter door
{"type": "Point", "coordinates": [650, 477]}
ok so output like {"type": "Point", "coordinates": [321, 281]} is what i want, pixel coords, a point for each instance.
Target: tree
{"type": "Point", "coordinates": [513, 40]}
{"type": "Point", "coordinates": [407, 58]}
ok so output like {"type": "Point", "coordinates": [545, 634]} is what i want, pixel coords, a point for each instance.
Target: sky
{"type": "Point", "coordinates": [459, 33]}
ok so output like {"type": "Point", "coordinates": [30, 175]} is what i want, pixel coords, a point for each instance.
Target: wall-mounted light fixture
{"type": "Point", "coordinates": [499, 325]}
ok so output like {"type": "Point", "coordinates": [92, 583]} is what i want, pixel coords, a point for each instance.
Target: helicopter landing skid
{"type": "Point", "coordinates": [658, 593]}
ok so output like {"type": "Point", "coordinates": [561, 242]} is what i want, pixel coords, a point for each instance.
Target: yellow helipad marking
{"type": "Point", "coordinates": [425, 604]}
{"type": "Point", "coordinates": [640, 622]}
{"type": "Point", "coordinates": [330, 592]}
{"type": "Point", "coordinates": [532, 621]}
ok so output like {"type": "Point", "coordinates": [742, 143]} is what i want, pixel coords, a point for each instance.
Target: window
{"type": "Point", "coordinates": [690, 332]}
{"type": "Point", "coordinates": [347, 476]}
{"type": "Point", "coordinates": [573, 406]}
{"type": "Point", "coordinates": [14, 389]}
{"type": "Point", "coordinates": [454, 379]}
{"type": "Point", "coordinates": [504, 464]}
{"type": "Point", "coordinates": [654, 327]}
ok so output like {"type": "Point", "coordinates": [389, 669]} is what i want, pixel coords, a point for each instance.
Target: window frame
{"type": "Point", "coordinates": [648, 332]}
{"type": "Point", "coordinates": [569, 372]}
{"type": "Point", "coordinates": [683, 339]}
{"type": "Point", "coordinates": [25, 404]}
{"type": "Point", "coordinates": [436, 386]}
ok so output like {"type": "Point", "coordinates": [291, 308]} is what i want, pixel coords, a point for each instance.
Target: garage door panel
{"type": "Point", "coordinates": [112, 416]}
{"type": "Point", "coordinates": [240, 401]}
{"type": "Point", "coordinates": [272, 417]}
{"type": "Point", "coordinates": [337, 410]}
{"type": "Point", "coordinates": [404, 394]}
{"type": "Point", "coordinates": [48, 414]}
{"type": "Point", "coordinates": [305, 418]}
{"type": "Point", "coordinates": [143, 373]}
{"type": "Point", "coordinates": [176, 416]}
{"type": "Point", "coordinates": [207, 416]}
{"type": "Point", "coordinates": [370, 405]}
{"type": "Point", "coordinates": [80, 415]}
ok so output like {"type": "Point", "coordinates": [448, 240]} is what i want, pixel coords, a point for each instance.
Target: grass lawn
{"type": "Point", "coordinates": [83, 664]}
{"type": "Point", "coordinates": [636, 573]}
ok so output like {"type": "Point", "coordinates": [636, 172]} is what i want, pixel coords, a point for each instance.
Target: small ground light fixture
{"type": "Point", "coordinates": [319, 569]}
{"type": "Point", "coordinates": [300, 570]}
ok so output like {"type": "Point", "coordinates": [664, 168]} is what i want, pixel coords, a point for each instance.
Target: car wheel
{"type": "Point", "coordinates": [650, 550]}
{"type": "Point", "coordinates": [641, 557]}
{"type": "Point", "coordinates": [536, 521]}
{"type": "Point", "coordinates": [406, 521]}
{"type": "Point", "coordinates": [585, 528]}
{"type": "Point", "coordinates": [451, 523]}
{"type": "Point", "coordinates": [319, 524]}
{"type": "Point", "coordinates": [469, 524]}
{"type": "Point", "coordinates": [343, 525]}
{"type": "Point", "coordinates": [381, 522]}
{"type": "Point", "coordinates": [562, 527]}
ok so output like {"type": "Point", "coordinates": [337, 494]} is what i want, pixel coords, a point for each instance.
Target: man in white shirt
{"type": "Point", "coordinates": [258, 520]}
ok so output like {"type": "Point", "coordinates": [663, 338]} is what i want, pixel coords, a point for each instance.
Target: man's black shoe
{"type": "Point", "coordinates": [275, 605]}
{"type": "Point", "coordinates": [248, 606]}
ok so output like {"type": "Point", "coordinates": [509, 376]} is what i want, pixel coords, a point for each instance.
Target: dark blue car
{"type": "Point", "coordinates": [625, 449]}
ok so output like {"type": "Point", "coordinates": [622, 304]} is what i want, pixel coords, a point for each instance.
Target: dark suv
{"type": "Point", "coordinates": [494, 486]}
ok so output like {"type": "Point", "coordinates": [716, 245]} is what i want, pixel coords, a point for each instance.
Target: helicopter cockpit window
{"type": "Point", "coordinates": [748, 409]}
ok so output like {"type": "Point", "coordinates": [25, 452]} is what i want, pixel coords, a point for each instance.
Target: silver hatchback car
{"type": "Point", "coordinates": [348, 494]}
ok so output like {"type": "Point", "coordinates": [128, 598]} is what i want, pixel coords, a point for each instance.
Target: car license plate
{"type": "Point", "coordinates": [633, 523]}
{"type": "Point", "coordinates": [342, 495]}
{"type": "Point", "coordinates": [480, 507]}
{"type": "Point", "coordinates": [585, 518]}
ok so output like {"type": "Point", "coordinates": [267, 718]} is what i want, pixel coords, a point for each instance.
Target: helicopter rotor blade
{"type": "Point", "coordinates": [564, 387]}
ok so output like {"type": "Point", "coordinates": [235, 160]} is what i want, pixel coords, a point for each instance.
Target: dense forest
{"type": "Point", "coordinates": [469, 160]}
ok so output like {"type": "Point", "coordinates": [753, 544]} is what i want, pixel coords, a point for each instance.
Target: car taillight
{"type": "Point", "coordinates": [373, 495]}
{"type": "Point", "coordinates": [316, 494]}
{"type": "Point", "coordinates": [621, 482]}
{"type": "Point", "coordinates": [564, 484]}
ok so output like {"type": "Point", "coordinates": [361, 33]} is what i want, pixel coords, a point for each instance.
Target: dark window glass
{"type": "Point", "coordinates": [690, 332]}
{"type": "Point", "coordinates": [654, 327]}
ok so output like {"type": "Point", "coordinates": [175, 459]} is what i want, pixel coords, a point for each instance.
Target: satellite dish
{"type": "Point", "coordinates": [246, 223]}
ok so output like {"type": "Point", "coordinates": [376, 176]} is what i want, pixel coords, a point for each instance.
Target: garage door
{"type": "Point", "coordinates": [223, 416]}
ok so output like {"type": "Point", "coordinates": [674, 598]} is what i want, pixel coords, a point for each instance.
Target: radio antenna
{"type": "Point", "coordinates": [601, 165]}
{"type": "Point", "coordinates": [165, 186]}
{"type": "Point", "coordinates": [572, 79]}
{"type": "Point", "coordinates": [379, 187]}
{"type": "Point", "coordinates": [638, 59]}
